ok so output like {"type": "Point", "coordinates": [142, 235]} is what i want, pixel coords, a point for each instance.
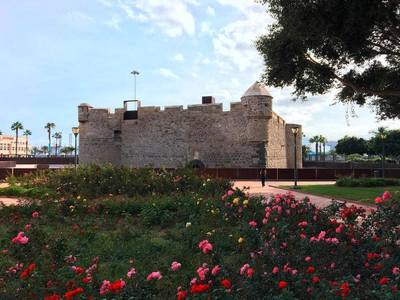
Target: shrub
{"type": "Point", "coordinates": [223, 246]}
{"type": "Point", "coordinates": [349, 181]}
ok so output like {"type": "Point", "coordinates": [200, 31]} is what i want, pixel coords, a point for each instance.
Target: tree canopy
{"type": "Point", "coordinates": [392, 144]}
{"type": "Point", "coordinates": [351, 45]}
{"type": "Point", "coordinates": [351, 145]}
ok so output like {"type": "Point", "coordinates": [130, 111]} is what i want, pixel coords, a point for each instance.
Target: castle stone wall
{"type": "Point", "coordinates": [277, 144]}
{"type": "Point", "coordinates": [100, 137]}
{"type": "Point", "coordinates": [250, 135]}
{"type": "Point", "coordinates": [202, 132]}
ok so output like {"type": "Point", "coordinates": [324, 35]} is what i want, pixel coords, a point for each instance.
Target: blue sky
{"type": "Point", "coordinates": [58, 54]}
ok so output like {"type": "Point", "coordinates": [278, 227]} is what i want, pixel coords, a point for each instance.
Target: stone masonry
{"type": "Point", "coordinates": [249, 135]}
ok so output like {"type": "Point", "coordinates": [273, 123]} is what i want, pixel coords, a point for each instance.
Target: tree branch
{"type": "Point", "coordinates": [353, 85]}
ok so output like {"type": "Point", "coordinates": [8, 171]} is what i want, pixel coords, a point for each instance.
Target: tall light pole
{"type": "Point", "coordinates": [75, 131]}
{"type": "Point", "coordinates": [134, 74]}
{"type": "Point", "coordinates": [383, 137]}
{"type": "Point", "coordinates": [295, 131]}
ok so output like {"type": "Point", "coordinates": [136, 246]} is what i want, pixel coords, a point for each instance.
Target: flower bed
{"type": "Point", "coordinates": [201, 240]}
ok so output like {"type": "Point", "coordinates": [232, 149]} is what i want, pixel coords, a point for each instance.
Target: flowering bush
{"type": "Point", "coordinates": [214, 242]}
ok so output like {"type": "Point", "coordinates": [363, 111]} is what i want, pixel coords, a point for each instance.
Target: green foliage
{"type": "Point", "coordinates": [11, 179]}
{"type": "Point", "coordinates": [316, 46]}
{"type": "Point", "coordinates": [391, 144]}
{"type": "Point", "coordinates": [230, 245]}
{"type": "Point", "coordinates": [97, 180]}
{"type": "Point", "coordinates": [351, 145]}
{"type": "Point", "coordinates": [12, 191]}
{"type": "Point", "coordinates": [349, 181]}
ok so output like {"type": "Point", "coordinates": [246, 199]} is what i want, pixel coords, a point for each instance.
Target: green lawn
{"type": "Point", "coordinates": [362, 194]}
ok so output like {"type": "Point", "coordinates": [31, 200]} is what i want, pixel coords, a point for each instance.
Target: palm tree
{"type": "Point", "coordinates": [315, 139]}
{"type": "Point", "coordinates": [67, 150]}
{"type": "Point", "coordinates": [49, 126]}
{"type": "Point", "coordinates": [16, 126]}
{"type": "Point", "coordinates": [26, 133]}
{"type": "Point", "coordinates": [35, 150]}
{"type": "Point", "coordinates": [323, 141]}
{"type": "Point", "coordinates": [44, 149]}
{"type": "Point", "coordinates": [381, 130]}
{"type": "Point", "coordinates": [57, 136]}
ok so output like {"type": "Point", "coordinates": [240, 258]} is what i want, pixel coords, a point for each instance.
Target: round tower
{"type": "Point", "coordinates": [258, 109]}
{"type": "Point", "coordinates": [83, 112]}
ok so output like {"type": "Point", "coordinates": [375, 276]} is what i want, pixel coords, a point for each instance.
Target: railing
{"type": "Point", "coordinates": [254, 174]}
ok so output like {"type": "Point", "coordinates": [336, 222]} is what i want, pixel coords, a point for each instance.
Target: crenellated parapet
{"type": "Point", "coordinates": [248, 135]}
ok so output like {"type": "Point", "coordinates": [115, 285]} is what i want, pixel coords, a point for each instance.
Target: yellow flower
{"type": "Point", "coordinates": [213, 230]}
{"type": "Point", "coordinates": [231, 235]}
{"type": "Point", "coordinates": [209, 233]}
{"type": "Point", "coordinates": [79, 197]}
{"type": "Point", "coordinates": [212, 211]}
{"type": "Point", "coordinates": [245, 202]}
{"type": "Point", "coordinates": [188, 224]}
{"type": "Point", "coordinates": [236, 200]}
{"type": "Point", "coordinates": [240, 240]}
{"type": "Point", "coordinates": [208, 180]}
{"type": "Point", "coordinates": [84, 200]}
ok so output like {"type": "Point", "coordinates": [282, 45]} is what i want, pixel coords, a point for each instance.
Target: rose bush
{"type": "Point", "coordinates": [202, 240]}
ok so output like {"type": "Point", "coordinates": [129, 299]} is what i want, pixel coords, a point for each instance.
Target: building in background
{"type": "Point", "coordinates": [8, 144]}
{"type": "Point", "coordinates": [249, 135]}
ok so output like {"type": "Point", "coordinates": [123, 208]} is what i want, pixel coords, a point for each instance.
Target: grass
{"type": "Point", "coordinates": [361, 194]}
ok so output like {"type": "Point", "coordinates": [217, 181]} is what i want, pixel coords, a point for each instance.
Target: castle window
{"type": "Point", "coordinates": [196, 154]}
{"type": "Point", "coordinates": [117, 135]}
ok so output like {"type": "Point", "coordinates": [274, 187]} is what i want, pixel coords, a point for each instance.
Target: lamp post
{"type": "Point", "coordinates": [75, 131]}
{"type": "Point", "coordinates": [383, 137]}
{"type": "Point", "coordinates": [134, 74]}
{"type": "Point", "coordinates": [295, 131]}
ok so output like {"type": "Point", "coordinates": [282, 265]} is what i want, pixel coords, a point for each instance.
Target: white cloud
{"type": "Point", "coordinates": [210, 11]}
{"type": "Point", "coordinates": [223, 94]}
{"type": "Point", "coordinates": [127, 9]}
{"type": "Point", "coordinates": [114, 22]}
{"type": "Point", "coordinates": [243, 6]}
{"type": "Point", "coordinates": [235, 41]}
{"type": "Point", "coordinates": [179, 57]}
{"type": "Point", "coordinates": [167, 73]}
{"type": "Point", "coordinates": [77, 18]}
{"type": "Point", "coordinates": [206, 28]}
{"type": "Point", "coordinates": [235, 82]}
{"type": "Point", "coordinates": [193, 2]}
{"type": "Point", "coordinates": [173, 20]}
{"type": "Point", "coordinates": [195, 71]}
{"type": "Point", "coordinates": [105, 3]}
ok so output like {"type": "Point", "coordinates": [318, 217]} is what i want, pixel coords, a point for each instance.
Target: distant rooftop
{"type": "Point", "coordinates": [257, 89]}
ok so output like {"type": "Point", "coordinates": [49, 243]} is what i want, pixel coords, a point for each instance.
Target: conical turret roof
{"type": "Point", "coordinates": [257, 89]}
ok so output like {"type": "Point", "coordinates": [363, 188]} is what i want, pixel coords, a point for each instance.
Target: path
{"type": "Point", "coordinates": [271, 188]}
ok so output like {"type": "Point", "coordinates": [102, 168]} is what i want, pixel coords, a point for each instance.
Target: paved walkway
{"type": "Point", "coordinates": [271, 188]}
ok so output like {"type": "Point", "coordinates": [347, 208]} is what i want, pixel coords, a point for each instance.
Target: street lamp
{"type": "Point", "coordinates": [134, 74]}
{"type": "Point", "coordinates": [75, 131]}
{"type": "Point", "coordinates": [383, 137]}
{"type": "Point", "coordinates": [295, 131]}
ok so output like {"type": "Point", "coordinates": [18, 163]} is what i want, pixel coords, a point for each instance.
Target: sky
{"type": "Point", "coordinates": [55, 55]}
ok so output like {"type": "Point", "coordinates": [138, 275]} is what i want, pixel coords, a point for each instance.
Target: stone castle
{"type": "Point", "coordinates": [249, 135]}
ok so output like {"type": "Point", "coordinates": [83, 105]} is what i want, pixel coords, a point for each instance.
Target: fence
{"type": "Point", "coordinates": [254, 174]}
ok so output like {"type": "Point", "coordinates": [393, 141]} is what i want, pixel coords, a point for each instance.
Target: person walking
{"type": "Point", "coordinates": [263, 176]}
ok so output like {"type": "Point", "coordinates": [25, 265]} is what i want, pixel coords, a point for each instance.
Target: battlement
{"type": "Point", "coordinates": [249, 134]}
{"type": "Point", "coordinates": [278, 118]}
